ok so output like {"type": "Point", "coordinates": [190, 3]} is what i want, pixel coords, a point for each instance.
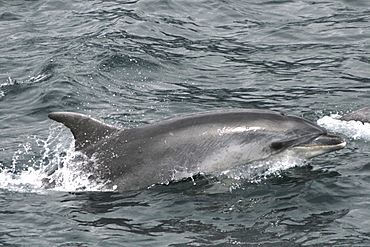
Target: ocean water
{"type": "Point", "coordinates": [130, 63]}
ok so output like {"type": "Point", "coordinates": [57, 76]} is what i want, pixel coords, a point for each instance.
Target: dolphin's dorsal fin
{"type": "Point", "coordinates": [85, 129]}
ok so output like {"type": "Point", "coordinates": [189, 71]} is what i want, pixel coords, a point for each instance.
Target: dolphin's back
{"type": "Point", "coordinates": [362, 115]}
{"type": "Point", "coordinates": [234, 117]}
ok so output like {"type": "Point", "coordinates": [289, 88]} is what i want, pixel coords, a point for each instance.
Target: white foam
{"type": "Point", "coordinates": [352, 129]}
{"type": "Point", "coordinates": [9, 82]}
{"type": "Point", "coordinates": [25, 181]}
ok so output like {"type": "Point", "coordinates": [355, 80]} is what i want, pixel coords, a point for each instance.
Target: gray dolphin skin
{"type": "Point", "coordinates": [362, 115]}
{"type": "Point", "coordinates": [205, 142]}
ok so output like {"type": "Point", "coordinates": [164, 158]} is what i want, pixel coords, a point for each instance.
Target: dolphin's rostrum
{"type": "Point", "coordinates": [206, 142]}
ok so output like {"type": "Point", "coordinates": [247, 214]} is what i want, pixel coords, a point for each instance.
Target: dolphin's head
{"type": "Point", "coordinates": [245, 135]}
{"type": "Point", "coordinates": [305, 138]}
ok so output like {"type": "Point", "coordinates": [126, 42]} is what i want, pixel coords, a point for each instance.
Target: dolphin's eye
{"type": "Point", "coordinates": [277, 145]}
{"type": "Point", "coordinates": [281, 145]}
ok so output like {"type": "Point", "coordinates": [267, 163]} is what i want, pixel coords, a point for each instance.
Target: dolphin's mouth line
{"type": "Point", "coordinates": [320, 145]}
{"type": "Point", "coordinates": [340, 145]}
{"type": "Point", "coordinates": [325, 141]}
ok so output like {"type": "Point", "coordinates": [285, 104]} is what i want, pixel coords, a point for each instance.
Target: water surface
{"type": "Point", "coordinates": [130, 63]}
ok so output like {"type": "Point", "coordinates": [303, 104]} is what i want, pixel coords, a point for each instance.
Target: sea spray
{"type": "Point", "coordinates": [53, 158]}
{"type": "Point", "coordinates": [352, 129]}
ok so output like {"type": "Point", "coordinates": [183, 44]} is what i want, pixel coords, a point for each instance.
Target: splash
{"type": "Point", "coordinates": [72, 175]}
{"type": "Point", "coordinates": [26, 181]}
{"type": "Point", "coordinates": [53, 159]}
{"type": "Point", "coordinates": [352, 129]}
{"type": "Point", "coordinates": [258, 171]}
{"type": "Point", "coordinates": [9, 82]}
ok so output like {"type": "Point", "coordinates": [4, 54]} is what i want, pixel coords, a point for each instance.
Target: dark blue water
{"type": "Point", "coordinates": [130, 63]}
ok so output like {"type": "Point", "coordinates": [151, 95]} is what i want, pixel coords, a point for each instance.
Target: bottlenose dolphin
{"type": "Point", "coordinates": [206, 142]}
{"type": "Point", "coordinates": [362, 115]}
